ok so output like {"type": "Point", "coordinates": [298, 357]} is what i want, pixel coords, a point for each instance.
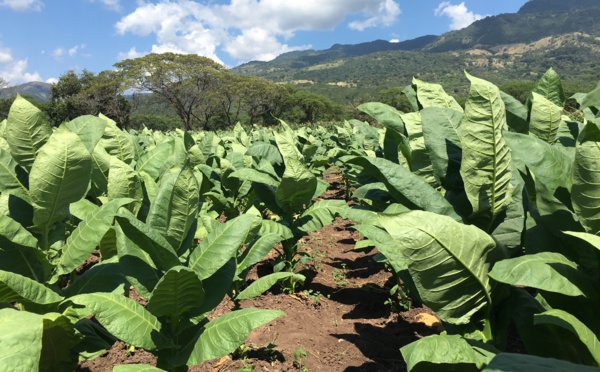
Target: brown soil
{"type": "Point", "coordinates": [338, 321]}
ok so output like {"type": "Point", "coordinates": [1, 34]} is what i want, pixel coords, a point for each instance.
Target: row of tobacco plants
{"type": "Point", "coordinates": [488, 215]}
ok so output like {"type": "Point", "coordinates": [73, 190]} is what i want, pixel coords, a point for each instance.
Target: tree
{"type": "Point", "coordinates": [182, 81]}
{"type": "Point", "coordinates": [87, 94]}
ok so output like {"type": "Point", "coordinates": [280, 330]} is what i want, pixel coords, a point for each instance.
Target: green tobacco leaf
{"type": "Point", "coordinates": [550, 87]}
{"type": "Point", "coordinates": [86, 237]}
{"type": "Point", "coordinates": [449, 262]}
{"type": "Point", "coordinates": [264, 283]}
{"type": "Point", "coordinates": [548, 271]}
{"type": "Point", "coordinates": [123, 182]}
{"type": "Point", "coordinates": [124, 318]}
{"type": "Point", "coordinates": [59, 176]}
{"type": "Point", "coordinates": [255, 175]}
{"type": "Point", "coordinates": [178, 291]}
{"type": "Point", "coordinates": [21, 340]}
{"type": "Point", "coordinates": [27, 130]}
{"type": "Point", "coordinates": [117, 142]}
{"type": "Point", "coordinates": [226, 333]}
{"type": "Point", "coordinates": [10, 179]}
{"type": "Point", "coordinates": [140, 236]}
{"type": "Point", "coordinates": [594, 240]}
{"type": "Point", "coordinates": [19, 252]}
{"type": "Point", "coordinates": [105, 276]}
{"type": "Point", "coordinates": [320, 214]}
{"type": "Point", "coordinates": [297, 186]}
{"type": "Point", "coordinates": [485, 167]}
{"type": "Point", "coordinates": [286, 143]}
{"type": "Point", "coordinates": [58, 344]}
{"type": "Point", "coordinates": [549, 166]}
{"type": "Point", "coordinates": [433, 95]}
{"type": "Point", "coordinates": [175, 208]}
{"type": "Point", "coordinates": [407, 188]}
{"type": "Point", "coordinates": [384, 114]}
{"type": "Point", "coordinates": [441, 127]}
{"type": "Point", "coordinates": [259, 249]}
{"type": "Point", "coordinates": [585, 193]}
{"type": "Point", "coordinates": [442, 352]}
{"type": "Point", "coordinates": [89, 129]}
{"type": "Point", "coordinates": [100, 169]}
{"type": "Point", "coordinates": [509, 362]}
{"type": "Point", "coordinates": [567, 321]}
{"type": "Point", "coordinates": [267, 151]}
{"type": "Point", "coordinates": [220, 245]}
{"type": "Point", "coordinates": [420, 163]}
{"type": "Point", "coordinates": [153, 161]}
{"type": "Point", "coordinates": [410, 91]}
{"type": "Point", "coordinates": [516, 113]}
{"type": "Point", "coordinates": [386, 245]}
{"type": "Point", "coordinates": [18, 288]}
{"type": "Point", "coordinates": [269, 226]}
{"type": "Point", "coordinates": [545, 118]}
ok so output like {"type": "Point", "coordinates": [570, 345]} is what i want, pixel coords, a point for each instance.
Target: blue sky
{"type": "Point", "coordinates": [40, 40]}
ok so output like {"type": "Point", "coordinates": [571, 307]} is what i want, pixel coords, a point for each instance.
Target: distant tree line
{"type": "Point", "coordinates": [168, 91]}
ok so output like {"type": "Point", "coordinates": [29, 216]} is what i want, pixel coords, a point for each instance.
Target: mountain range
{"type": "Point", "coordinates": [562, 34]}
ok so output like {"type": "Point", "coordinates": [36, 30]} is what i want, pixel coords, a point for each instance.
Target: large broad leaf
{"type": "Point", "coordinates": [259, 249]}
{"type": "Point", "coordinates": [139, 235]}
{"type": "Point", "coordinates": [485, 167]}
{"type": "Point", "coordinates": [19, 252]}
{"type": "Point", "coordinates": [59, 176]}
{"type": "Point", "coordinates": [442, 352]}
{"type": "Point", "coordinates": [320, 214]}
{"type": "Point", "coordinates": [433, 95]}
{"type": "Point", "coordinates": [264, 283]}
{"type": "Point", "coordinates": [586, 177]}
{"type": "Point", "coordinates": [21, 340]}
{"type": "Point", "coordinates": [27, 130]}
{"type": "Point", "coordinates": [89, 129]}
{"type": "Point", "coordinates": [286, 143]}
{"type": "Point", "coordinates": [548, 271]}
{"type": "Point", "coordinates": [12, 176]}
{"type": "Point", "coordinates": [226, 333]}
{"type": "Point", "coordinates": [420, 163]}
{"type": "Point", "coordinates": [58, 342]}
{"type": "Point", "coordinates": [267, 151]}
{"type": "Point", "coordinates": [123, 182]}
{"type": "Point", "coordinates": [449, 262]}
{"type": "Point", "coordinates": [509, 362]}
{"type": "Point", "coordinates": [220, 245]}
{"type": "Point", "coordinates": [407, 188]}
{"type": "Point", "coordinates": [550, 87]}
{"type": "Point", "coordinates": [86, 237]}
{"type": "Point", "coordinates": [567, 321]}
{"type": "Point", "coordinates": [100, 169]}
{"type": "Point", "coordinates": [384, 114]}
{"type": "Point", "coordinates": [117, 142]}
{"type": "Point", "coordinates": [18, 288]}
{"type": "Point", "coordinates": [282, 230]}
{"type": "Point", "coordinates": [175, 208]}
{"type": "Point", "coordinates": [441, 129]}
{"type": "Point", "coordinates": [545, 118]}
{"type": "Point", "coordinates": [153, 161]}
{"type": "Point", "coordinates": [297, 187]}
{"type": "Point", "coordinates": [179, 291]}
{"type": "Point", "coordinates": [255, 175]}
{"type": "Point", "coordinates": [386, 245]}
{"type": "Point", "coordinates": [105, 276]}
{"type": "Point", "coordinates": [516, 113]}
{"type": "Point", "coordinates": [550, 167]}
{"type": "Point", "coordinates": [124, 318]}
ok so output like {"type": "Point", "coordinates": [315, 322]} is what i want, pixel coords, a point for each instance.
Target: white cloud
{"type": "Point", "coordinates": [110, 4]}
{"type": "Point", "coordinates": [23, 5]}
{"type": "Point", "coordinates": [58, 52]}
{"type": "Point", "coordinates": [395, 41]}
{"type": "Point", "coordinates": [131, 54]}
{"type": "Point", "coordinates": [71, 52]}
{"type": "Point", "coordinates": [459, 14]}
{"type": "Point", "coordinates": [246, 29]}
{"type": "Point", "coordinates": [52, 81]}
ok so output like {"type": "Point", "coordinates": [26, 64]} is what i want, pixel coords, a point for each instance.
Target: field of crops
{"type": "Point", "coordinates": [446, 238]}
